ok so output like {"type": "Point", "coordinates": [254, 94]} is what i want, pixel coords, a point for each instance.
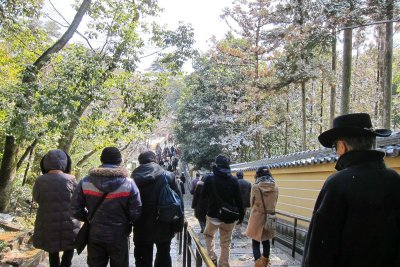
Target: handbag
{"type": "Point", "coordinates": [82, 237]}
{"type": "Point", "coordinates": [270, 219]}
{"type": "Point", "coordinates": [227, 213]}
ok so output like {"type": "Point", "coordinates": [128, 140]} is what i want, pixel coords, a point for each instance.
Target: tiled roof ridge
{"type": "Point", "coordinates": [390, 145]}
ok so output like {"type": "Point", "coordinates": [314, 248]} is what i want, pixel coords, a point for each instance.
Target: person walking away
{"type": "Point", "coordinates": [148, 230]}
{"type": "Point", "coordinates": [221, 182]}
{"type": "Point", "coordinates": [175, 162]}
{"type": "Point", "coordinates": [264, 196]}
{"type": "Point", "coordinates": [199, 204]}
{"type": "Point", "coordinates": [55, 230]}
{"type": "Point", "coordinates": [356, 218]}
{"type": "Point", "coordinates": [182, 178]}
{"type": "Point", "coordinates": [194, 183]}
{"type": "Point", "coordinates": [245, 189]}
{"type": "Point", "coordinates": [112, 222]}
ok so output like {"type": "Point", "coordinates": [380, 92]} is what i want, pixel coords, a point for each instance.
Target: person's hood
{"type": "Point", "coordinates": [146, 174]}
{"type": "Point", "coordinates": [55, 160]}
{"type": "Point", "coordinates": [107, 178]}
{"type": "Point", "coordinates": [222, 172]}
{"type": "Point", "coordinates": [266, 183]}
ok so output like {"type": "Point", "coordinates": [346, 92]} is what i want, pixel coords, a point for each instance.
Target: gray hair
{"type": "Point", "coordinates": [360, 142]}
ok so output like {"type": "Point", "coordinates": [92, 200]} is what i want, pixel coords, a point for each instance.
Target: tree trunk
{"type": "Point", "coordinates": [8, 164]}
{"type": "Point", "coordinates": [379, 73]}
{"type": "Point", "coordinates": [387, 95]}
{"type": "Point", "coordinates": [7, 171]}
{"type": "Point", "coordinates": [28, 166]}
{"type": "Point", "coordinates": [28, 150]}
{"type": "Point", "coordinates": [287, 125]}
{"type": "Point", "coordinates": [333, 83]}
{"type": "Point", "coordinates": [321, 115]}
{"type": "Point", "coordinates": [346, 73]}
{"type": "Point", "coordinates": [304, 119]}
{"type": "Point", "coordinates": [68, 133]}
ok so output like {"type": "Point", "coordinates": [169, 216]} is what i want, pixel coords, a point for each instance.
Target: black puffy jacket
{"type": "Point", "coordinates": [147, 229]}
{"type": "Point", "coordinates": [122, 206]}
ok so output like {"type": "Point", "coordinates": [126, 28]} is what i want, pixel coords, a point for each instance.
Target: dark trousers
{"type": "Point", "coordinates": [144, 255]}
{"type": "Point", "coordinates": [66, 259]}
{"type": "Point", "coordinates": [100, 253]}
{"type": "Point", "coordinates": [202, 225]}
{"type": "Point", "coordinates": [256, 249]}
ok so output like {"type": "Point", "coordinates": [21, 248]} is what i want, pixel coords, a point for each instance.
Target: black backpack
{"type": "Point", "coordinates": [169, 205]}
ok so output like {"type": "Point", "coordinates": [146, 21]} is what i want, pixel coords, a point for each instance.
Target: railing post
{"type": "Point", "coordinates": [294, 238]}
{"type": "Point", "coordinates": [189, 255]}
{"type": "Point", "coordinates": [185, 238]}
{"type": "Point", "coordinates": [199, 261]}
{"type": "Point", "coordinates": [180, 243]}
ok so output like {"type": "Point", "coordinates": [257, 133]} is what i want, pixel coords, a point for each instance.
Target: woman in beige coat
{"type": "Point", "coordinates": [264, 193]}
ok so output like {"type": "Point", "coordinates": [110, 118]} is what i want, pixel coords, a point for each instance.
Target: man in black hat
{"type": "Point", "coordinates": [356, 218]}
{"type": "Point", "coordinates": [221, 187]}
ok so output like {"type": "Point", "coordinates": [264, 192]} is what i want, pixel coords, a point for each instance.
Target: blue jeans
{"type": "Point", "coordinates": [256, 249]}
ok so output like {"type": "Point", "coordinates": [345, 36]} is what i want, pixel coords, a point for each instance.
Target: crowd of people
{"type": "Point", "coordinates": [355, 222]}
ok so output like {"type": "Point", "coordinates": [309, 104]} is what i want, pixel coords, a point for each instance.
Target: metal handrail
{"type": "Point", "coordinates": [296, 218]}
{"type": "Point", "coordinates": [198, 253]}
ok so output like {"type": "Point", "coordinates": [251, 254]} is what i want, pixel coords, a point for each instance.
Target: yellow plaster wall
{"type": "Point", "coordinates": [299, 186]}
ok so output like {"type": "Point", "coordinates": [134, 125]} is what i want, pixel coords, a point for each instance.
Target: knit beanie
{"type": "Point", "coordinates": [222, 161]}
{"type": "Point", "coordinates": [147, 157]}
{"type": "Point", "coordinates": [111, 155]}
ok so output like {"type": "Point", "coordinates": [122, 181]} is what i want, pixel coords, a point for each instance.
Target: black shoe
{"type": "Point", "coordinates": [215, 262]}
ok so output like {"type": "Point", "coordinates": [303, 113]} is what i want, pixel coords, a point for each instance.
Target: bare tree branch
{"type": "Point", "coordinates": [68, 24]}
{"type": "Point", "coordinates": [368, 24]}
{"type": "Point", "coordinates": [42, 60]}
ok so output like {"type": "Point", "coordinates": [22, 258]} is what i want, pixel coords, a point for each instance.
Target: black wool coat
{"type": "Point", "coordinates": [147, 229]}
{"type": "Point", "coordinates": [199, 204]}
{"type": "Point", "coordinates": [356, 219]}
{"type": "Point", "coordinates": [245, 190]}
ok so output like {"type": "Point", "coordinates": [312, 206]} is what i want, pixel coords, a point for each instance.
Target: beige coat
{"type": "Point", "coordinates": [255, 228]}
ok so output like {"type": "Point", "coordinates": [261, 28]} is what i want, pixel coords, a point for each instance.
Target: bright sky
{"type": "Point", "coordinates": [204, 15]}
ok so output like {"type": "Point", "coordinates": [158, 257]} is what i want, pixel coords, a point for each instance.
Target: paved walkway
{"type": "Point", "coordinates": [241, 253]}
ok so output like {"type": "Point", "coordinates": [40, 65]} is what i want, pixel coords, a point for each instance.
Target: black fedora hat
{"type": "Point", "coordinates": [356, 124]}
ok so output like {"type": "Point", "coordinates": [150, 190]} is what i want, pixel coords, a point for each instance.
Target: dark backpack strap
{"type": "Point", "coordinates": [97, 205]}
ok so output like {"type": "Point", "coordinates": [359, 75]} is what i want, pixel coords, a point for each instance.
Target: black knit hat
{"type": "Point", "coordinates": [111, 155]}
{"type": "Point", "coordinates": [222, 161]}
{"type": "Point", "coordinates": [147, 157]}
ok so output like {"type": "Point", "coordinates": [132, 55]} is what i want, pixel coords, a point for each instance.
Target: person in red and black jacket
{"type": "Point", "coordinates": [112, 222]}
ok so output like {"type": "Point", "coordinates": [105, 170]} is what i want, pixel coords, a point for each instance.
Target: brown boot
{"type": "Point", "coordinates": [258, 263]}
{"type": "Point", "coordinates": [262, 262]}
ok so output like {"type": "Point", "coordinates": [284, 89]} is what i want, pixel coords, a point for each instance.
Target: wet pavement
{"type": "Point", "coordinates": [241, 253]}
